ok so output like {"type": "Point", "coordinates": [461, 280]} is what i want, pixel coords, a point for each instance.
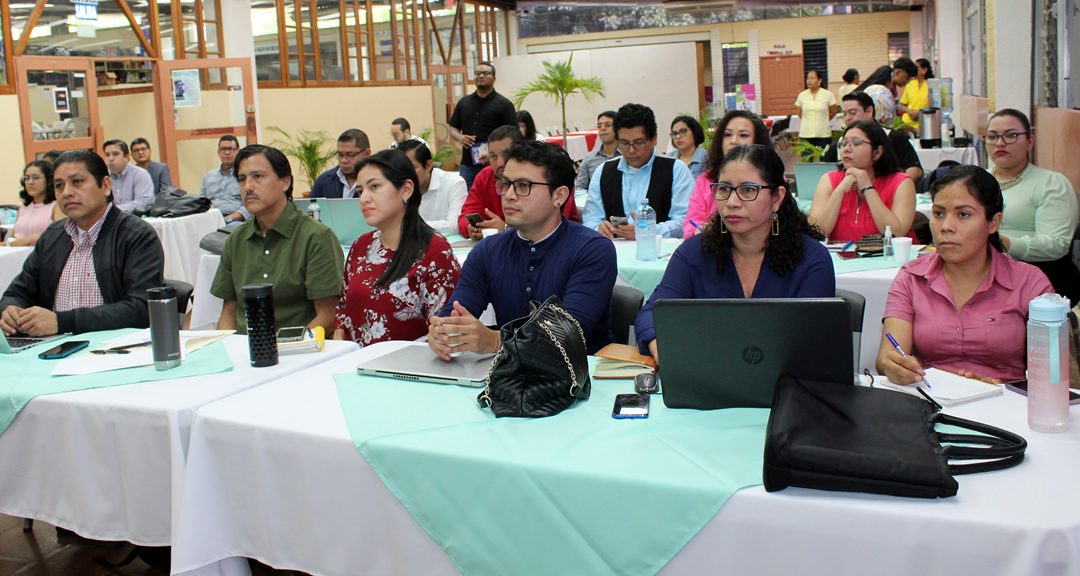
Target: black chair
{"type": "Point", "coordinates": [625, 304]}
{"type": "Point", "coordinates": [857, 304]}
{"type": "Point", "coordinates": [184, 292]}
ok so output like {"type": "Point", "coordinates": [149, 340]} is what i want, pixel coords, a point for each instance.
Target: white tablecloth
{"type": "Point", "coordinates": [576, 146]}
{"type": "Point", "coordinates": [931, 157]}
{"type": "Point", "coordinates": [11, 263]}
{"type": "Point", "coordinates": [180, 240]}
{"type": "Point", "coordinates": [109, 463]}
{"type": "Point", "coordinates": [874, 286]}
{"type": "Point", "coordinates": [272, 474]}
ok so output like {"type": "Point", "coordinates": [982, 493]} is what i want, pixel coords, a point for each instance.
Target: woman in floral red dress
{"type": "Point", "coordinates": [403, 272]}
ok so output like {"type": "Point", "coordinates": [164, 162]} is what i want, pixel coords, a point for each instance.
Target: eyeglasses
{"type": "Point", "coordinates": [679, 133]}
{"type": "Point", "coordinates": [522, 188]}
{"type": "Point", "coordinates": [349, 155]}
{"type": "Point", "coordinates": [139, 150]}
{"type": "Point", "coordinates": [32, 177]}
{"type": "Point", "coordinates": [1008, 137]}
{"type": "Point", "coordinates": [484, 73]}
{"type": "Point", "coordinates": [747, 192]}
{"type": "Point", "coordinates": [227, 150]}
{"type": "Point", "coordinates": [854, 142]}
{"type": "Point", "coordinates": [636, 144]}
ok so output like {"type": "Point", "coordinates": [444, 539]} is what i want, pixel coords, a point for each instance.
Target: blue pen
{"type": "Point", "coordinates": [849, 244]}
{"type": "Point", "coordinates": [901, 351]}
{"type": "Point", "coordinates": [695, 225]}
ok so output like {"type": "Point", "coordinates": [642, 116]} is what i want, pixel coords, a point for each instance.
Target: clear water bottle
{"type": "Point", "coordinates": [1048, 364]}
{"type": "Point", "coordinates": [887, 248]}
{"type": "Point", "coordinates": [314, 211]}
{"type": "Point", "coordinates": [646, 232]}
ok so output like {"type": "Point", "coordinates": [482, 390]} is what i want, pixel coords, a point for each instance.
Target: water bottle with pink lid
{"type": "Point", "coordinates": [1048, 363]}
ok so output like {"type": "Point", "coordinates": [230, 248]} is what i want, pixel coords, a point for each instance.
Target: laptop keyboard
{"type": "Point", "coordinates": [21, 342]}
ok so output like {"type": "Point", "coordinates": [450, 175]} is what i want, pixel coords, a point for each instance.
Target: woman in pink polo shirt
{"type": "Point", "coordinates": [965, 308]}
{"type": "Point", "coordinates": [737, 127]}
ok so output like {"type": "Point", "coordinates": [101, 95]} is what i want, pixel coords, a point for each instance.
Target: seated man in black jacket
{"type": "Point", "coordinates": [87, 272]}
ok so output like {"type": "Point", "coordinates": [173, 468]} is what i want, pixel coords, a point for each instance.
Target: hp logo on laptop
{"type": "Point", "coordinates": [753, 355]}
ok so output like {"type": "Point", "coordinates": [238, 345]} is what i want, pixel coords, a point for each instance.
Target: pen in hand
{"type": "Point", "coordinates": [695, 225]}
{"type": "Point", "coordinates": [901, 351]}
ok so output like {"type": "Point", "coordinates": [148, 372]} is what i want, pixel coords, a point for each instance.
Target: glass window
{"type": "Point", "coordinates": [736, 66]}
{"type": "Point", "coordinates": [816, 57]}
{"type": "Point", "coordinates": [3, 55]}
{"type": "Point", "coordinates": [264, 29]}
{"type": "Point", "coordinates": [60, 32]}
{"type": "Point", "coordinates": [899, 46]}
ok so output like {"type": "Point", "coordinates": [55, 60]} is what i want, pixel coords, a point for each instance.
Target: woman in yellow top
{"type": "Point", "coordinates": [916, 93]}
{"type": "Point", "coordinates": [817, 106]}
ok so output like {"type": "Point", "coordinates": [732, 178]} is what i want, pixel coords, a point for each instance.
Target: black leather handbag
{"type": "Point", "coordinates": [173, 203]}
{"type": "Point", "coordinates": [848, 438]}
{"type": "Point", "coordinates": [542, 367]}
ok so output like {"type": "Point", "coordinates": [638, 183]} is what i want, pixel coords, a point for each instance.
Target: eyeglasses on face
{"type": "Point", "coordinates": [721, 191]}
{"type": "Point", "coordinates": [484, 73]}
{"type": "Point", "coordinates": [679, 133]}
{"type": "Point", "coordinates": [139, 150]}
{"type": "Point", "coordinates": [227, 149]}
{"type": "Point", "coordinates": [32, 177]}
{"type": "Point", "coordinates": [636, 144]}
{"type": "Point", "coordinates": [349, 155]}
{"type": "Point", "coordinates": [853, 142]}
{"type": "Point", "coordinates": [1008, 137]}
{"type": "Point", "coordinates": [522, 187]}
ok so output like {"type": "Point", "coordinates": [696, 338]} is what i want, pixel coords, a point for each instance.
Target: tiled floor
{"type": "Point", "coordinates": [41, 552]}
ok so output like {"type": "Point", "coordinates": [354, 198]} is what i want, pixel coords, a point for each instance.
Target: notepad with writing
{"type": "Point", "coordinates": [947, 388]}
{"type": "Point", "coordinates": [622, 361]}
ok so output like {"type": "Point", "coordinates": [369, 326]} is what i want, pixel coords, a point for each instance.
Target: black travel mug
{"type": "Point", "coordinates": [164, 327]}
{"type": "Point", "coordinates": [261, 329]}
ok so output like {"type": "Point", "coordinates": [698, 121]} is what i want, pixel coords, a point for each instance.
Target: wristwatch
{"type": "Point", "coordinates": [228, 219]}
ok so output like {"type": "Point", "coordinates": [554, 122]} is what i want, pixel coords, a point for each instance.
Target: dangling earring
{"type": "Point", "coordinates": [723, 229]}
{"type": "Point", "coordinates": [775, 224]}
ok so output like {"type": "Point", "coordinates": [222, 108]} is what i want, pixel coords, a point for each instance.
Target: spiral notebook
{"type": "Point", "coordinates": [947, 388]}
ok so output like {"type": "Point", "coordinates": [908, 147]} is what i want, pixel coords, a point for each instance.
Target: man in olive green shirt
{"type": "Point", "coordinates": [279, 245]}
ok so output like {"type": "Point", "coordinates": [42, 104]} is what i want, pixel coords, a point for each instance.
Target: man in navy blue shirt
{"type": "Point", "coordinates": [352, 147]}
{"type": "Point", "coordinates": [543, 254]}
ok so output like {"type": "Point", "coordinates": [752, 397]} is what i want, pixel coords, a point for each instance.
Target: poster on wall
{"type": "Point", "coordinates": [60, 101]}
{"type": "Point", "coordinates": [186, 89]}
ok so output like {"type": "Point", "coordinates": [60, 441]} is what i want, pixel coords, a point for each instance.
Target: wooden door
{"type": "Point", "coordinates": [781, 81]}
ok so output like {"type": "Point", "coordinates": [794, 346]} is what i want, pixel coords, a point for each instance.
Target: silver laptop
{"type": "Point", "coordinates": [418, 363]}
{"type": "Point", "coordinates": [343, 215]}
{"type": "Point", "coordinates": [748, 343]}
{"type": "Point", "coordinates": [18, 343]}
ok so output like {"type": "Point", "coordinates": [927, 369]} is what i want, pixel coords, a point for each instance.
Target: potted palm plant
{"type": "Point", "coordinates": [558, 82]}
{"type": "Point", "coordinates": [310, 148]}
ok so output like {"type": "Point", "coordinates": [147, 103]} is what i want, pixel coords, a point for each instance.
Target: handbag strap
{"type": "Point", "coordinates": [999, 448]}
{"type": "Point", "coordinates": [545, 326]}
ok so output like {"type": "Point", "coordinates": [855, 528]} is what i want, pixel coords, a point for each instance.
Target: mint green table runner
{"type": "Point", "coordinates": [25, 376]}
{"type": "Point", "coordinates": [577, 493]}
{"type": "Point", "coordinates": [644, 276]}
{"type": "Point", "coordinates": [841, 266]}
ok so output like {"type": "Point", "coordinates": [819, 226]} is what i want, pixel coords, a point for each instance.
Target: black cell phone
{"type": "Point", "coordinates": [619, 220]}
{"type": "Point", "coordinates": [631, 406]}
{"type": "Point", "coordinates": [64, 350]}
{"type": "Point", "coordinates": [1021, 387]}
{"type": "Point", "coordinates": [474, 218]}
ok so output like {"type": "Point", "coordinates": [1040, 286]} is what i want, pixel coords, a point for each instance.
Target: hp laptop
{"type": "Point", "coordinates": [418, 363]}
{"type": "Point", "coordinates": [740, 347]}
{"type": "Point", "coordinates": [807, 176]}
{"type": "Point", "coordinates": [18, 343]}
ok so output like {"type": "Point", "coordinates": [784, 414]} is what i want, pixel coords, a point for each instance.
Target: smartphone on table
{"type": "Point", "coordinates": [291, 334]}
{"type": "Point", "coordinates": [64, 350]}
{"type": "Point", "coordinates": [631, 406]}
{"type": "Point", "coordinates": [1021, 387]}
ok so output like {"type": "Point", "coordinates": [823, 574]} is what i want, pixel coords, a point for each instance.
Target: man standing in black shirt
{"type": "Point", "coordinates": [858, 106]}
{"type": "Point", "coordinates": [475, 116]}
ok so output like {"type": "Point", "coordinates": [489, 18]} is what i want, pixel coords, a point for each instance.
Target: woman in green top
{"type": "Point", "coordinates": [1040, 214]}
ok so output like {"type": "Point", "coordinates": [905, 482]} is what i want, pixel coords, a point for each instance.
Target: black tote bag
{"type": "Point", "coordinates": [848, 438]}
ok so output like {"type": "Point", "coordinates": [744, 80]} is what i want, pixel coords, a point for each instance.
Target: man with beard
{"type": "Point", "coordinates": [352, 147]}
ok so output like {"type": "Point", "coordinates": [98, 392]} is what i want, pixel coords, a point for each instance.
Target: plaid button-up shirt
{"type": "Point", "coordinates": [78, 287]}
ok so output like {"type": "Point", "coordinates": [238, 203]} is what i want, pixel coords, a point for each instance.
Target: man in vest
{"type": "Point", "coordinates": [619, 186]}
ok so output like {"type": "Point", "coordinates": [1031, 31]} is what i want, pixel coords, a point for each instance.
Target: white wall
{"type": "Point", "coordinates": [1012, 56]}
{"type": "Point", "coordinates": [949, 42]}
{"type": "Point", "coordinates": [661, 76]}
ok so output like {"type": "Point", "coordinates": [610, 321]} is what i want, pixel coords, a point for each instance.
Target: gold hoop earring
{"type": "Point", "coordinates": [723, 229]}
{"type": "Point", "coordinates": [775, 224]}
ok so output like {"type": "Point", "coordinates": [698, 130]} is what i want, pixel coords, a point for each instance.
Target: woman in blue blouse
{"type": "Point", "coordinates": [687, 137]}
{"type": "Point", "coordinates": [759, 244]}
